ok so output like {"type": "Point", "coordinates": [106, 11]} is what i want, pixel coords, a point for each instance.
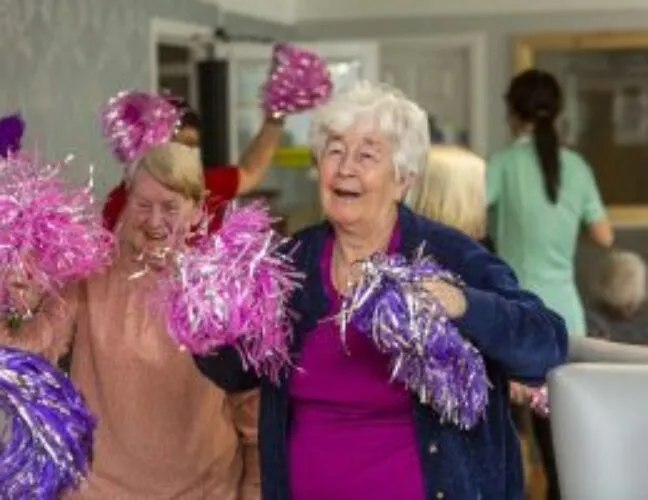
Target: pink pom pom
{"type": "Point", "coordinates": [232, 289]}
{"type": "Point", "coordinates": [133, 122]}
{"type": "Point", "coordinates": [299, 80]}
{"type": "Point", "coordinates": [539, 401]}
{"type": "Point", "coordinates": [50, 231]}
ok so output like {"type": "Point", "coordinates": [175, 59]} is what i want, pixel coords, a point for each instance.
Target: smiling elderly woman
{"type": "Point", "coordinates": [337, 428]}
{"type": "Point", "coordinates": [163, 430]}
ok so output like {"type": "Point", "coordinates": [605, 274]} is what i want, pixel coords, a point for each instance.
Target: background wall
{"type": "Point", "coordinates": [63, 58]}
{"type": "Point", "coordinates": [281, 11]}
{"type": "Point", "coordinates": [345, 9]}
{"type": "Point", "coordinates": [499, 28]}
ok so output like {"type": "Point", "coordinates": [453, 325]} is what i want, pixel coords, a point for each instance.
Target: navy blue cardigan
{"type": "Point", "coordinates": [517, 335]}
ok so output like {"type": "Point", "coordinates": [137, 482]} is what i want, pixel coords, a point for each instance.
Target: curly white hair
{"type": "Point", "coordinates": [401, 120]}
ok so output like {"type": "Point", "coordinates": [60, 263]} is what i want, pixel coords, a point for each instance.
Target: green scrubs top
{"type": "Point", "coordinates": [534, 236]}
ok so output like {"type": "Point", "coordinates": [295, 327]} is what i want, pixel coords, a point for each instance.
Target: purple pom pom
{"type": "Point", "coordinates": [133, 122]}
{"type": "Point", "coordinates": [12, 128]}
{"type": "Point", "coordinates": [299, 80]}
{"type": "Point", "coordinates": [390, 305]}
{"type": "Point", "coordinates": [46, 447]}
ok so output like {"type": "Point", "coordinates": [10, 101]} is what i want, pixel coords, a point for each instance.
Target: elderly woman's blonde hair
{"type": "Point", "coordinates": [401, 120]}
{"type": "Point", "coordinates": [175, 166]}
{"type": "Point", "coordinates": [621, 286]}
{"type": "Point", "coordinates": [452, 189]}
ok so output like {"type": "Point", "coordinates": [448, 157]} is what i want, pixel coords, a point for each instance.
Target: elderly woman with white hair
{"type": "Point", "coordinates": [618, 292]}
{"type": "Point", "coordinates": [336, 427]}
{"type": "Point", "coordinates": [163, 430]}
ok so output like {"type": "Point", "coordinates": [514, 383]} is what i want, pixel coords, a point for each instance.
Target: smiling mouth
{"type": "Point", "coordinates": [155, 237]}
{"type": "Point", "coordinates": [343, 193]}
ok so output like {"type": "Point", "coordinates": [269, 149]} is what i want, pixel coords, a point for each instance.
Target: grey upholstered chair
{"type": "Point", "coordinates": [599, 415]}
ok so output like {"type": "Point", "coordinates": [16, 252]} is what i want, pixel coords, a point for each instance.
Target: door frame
{"type": "Point", "coordinates": [180, 33]}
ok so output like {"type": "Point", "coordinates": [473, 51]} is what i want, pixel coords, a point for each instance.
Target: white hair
{"type": "Point", "coordinates": [622, 283]}
{"type": "Point", "coordinates": [401, 120]}
{"type": "Point", "coordinates": [452, 189]}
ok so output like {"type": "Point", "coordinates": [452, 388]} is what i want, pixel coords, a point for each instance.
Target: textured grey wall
{"type": "Point", "coordinates": [62, 58]}
{"type": "Point", "coordinates": [499, 30]}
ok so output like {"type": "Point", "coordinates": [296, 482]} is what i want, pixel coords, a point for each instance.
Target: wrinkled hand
{"type": "Point", "coordinates": [520, 394]}
{"type": "Point", "coordinates": [451, 298]}
{"type": "Point", "coordinates": [533, 397]}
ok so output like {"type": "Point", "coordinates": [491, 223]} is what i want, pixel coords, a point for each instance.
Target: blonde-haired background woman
{"type": "Point", "coordinates": [452, 189]}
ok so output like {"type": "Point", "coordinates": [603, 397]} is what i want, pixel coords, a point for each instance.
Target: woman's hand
{"type": "Point", "coordinates": [451, 298]}
{"type": "Point", "coordinates": [534, 397]}
{"type": "Point", "coordinates": [519, 394]}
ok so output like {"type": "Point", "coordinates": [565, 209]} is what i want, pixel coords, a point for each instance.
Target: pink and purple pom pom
{"type": "Point", "coordinates": [50, 232]}
{"type": "Point", "coordinates": [133, 122]}
{"type": "Point", "coordinates": [231, 288]}
{"type": "Point", "coordinates": [46, 445]}
{"type": "Point", "coordinates": [299, 80]}
{"type": "Point", "coordinates": [429, 355]}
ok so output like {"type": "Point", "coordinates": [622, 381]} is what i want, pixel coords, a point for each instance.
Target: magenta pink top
{"type": "Point", "coordinates": [351, 432]}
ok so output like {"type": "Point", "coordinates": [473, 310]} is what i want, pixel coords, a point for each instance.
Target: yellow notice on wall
{"type": "Point", "coordinates": [293, 157]}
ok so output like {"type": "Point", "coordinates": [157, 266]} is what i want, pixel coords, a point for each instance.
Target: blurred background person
{"type": "Point", "coordinates": [540, 195]}
{"type": "Point", "coordinates": [451, 189]}
{"type": "Point", "coordinates": [618, 294]}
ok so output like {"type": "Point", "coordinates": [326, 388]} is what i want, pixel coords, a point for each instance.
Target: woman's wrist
{"type": "Point", "coordinates": [276, 118]}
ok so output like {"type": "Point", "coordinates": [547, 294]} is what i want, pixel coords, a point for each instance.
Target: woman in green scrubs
{"type": "Point", "coordinates": [540, 195]}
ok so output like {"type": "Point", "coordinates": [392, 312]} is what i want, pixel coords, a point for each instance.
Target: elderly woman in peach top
{"type": "Point", "coordinates": [164, 431]}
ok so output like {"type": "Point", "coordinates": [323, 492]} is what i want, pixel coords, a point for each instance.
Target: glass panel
{"type": "Point", "coordinates": [178, 86]}
{"type": "Point", "coordinates": [173, 54]}
{"type": "Point", "coordinates": [177, 71]}
{"type": "Point", "coordinates": [606, 116]}
{"type": "Point", "coordinates": [437, 78]}
{"type": "Point", "coordinates": [296, 189]}
{"type": "Point", "coordinates": [251, 76]}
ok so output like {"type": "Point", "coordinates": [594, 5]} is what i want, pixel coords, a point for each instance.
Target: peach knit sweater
{"type": "Point", "coordinates": [164, 431]}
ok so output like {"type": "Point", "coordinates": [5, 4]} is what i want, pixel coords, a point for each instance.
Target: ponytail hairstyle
{"type": "Point", "coordinates": [534, 97]}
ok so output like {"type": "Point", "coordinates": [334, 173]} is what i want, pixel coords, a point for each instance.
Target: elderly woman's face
{"type": "Point", "coordinates": [357, 180]}
{"type": "Point", "coordinates": [155, 217]}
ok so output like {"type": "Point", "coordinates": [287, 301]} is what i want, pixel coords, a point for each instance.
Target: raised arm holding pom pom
{"type": "Point", "coordinates": [298, 80]}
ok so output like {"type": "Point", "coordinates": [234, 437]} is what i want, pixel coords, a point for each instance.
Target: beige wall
{"type": "Point", "coordinates": [499, 30]}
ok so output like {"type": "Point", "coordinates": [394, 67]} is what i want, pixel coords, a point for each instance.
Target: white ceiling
{"type": "Point", "coordinates": [292, 11]}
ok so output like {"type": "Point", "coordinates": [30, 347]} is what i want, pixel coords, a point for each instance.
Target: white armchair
{"type": "Point", "coordinates": [599, 416]}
